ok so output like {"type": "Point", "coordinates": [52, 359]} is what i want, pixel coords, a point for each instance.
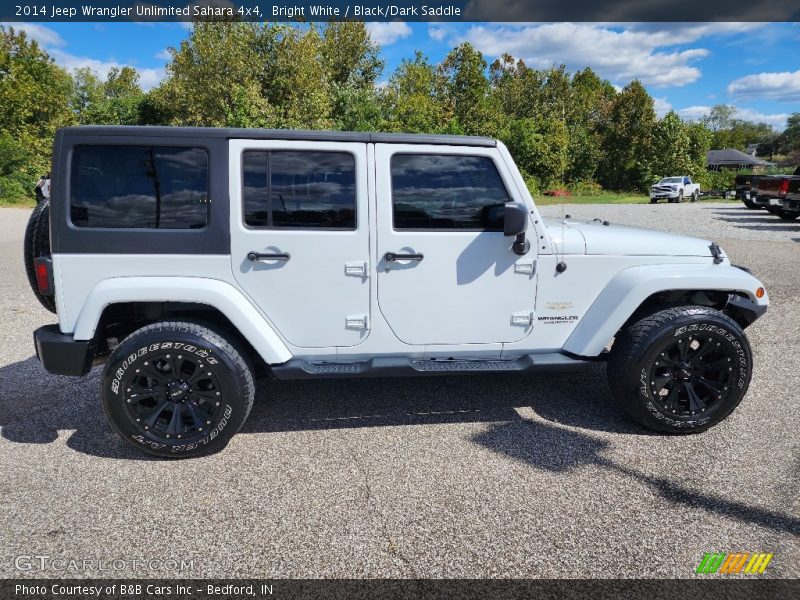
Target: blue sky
{"type": "Point", "coordinates": [686, 66]}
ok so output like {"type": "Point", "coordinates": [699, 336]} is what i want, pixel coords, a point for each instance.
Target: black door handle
{"type": "Point", "coordinates": [256, 256]}
{"type": "Point", "coordinates": [391, 257]}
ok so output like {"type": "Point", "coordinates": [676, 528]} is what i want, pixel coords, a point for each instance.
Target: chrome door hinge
{"type": "Point", "coordinates": [522, 319]}
{"type": "Point", "coordinates": [356, 322]}
{"type": "Point", "coordinates": [358, 268]}
{"type": "Point", "coordinates": [526, 267]}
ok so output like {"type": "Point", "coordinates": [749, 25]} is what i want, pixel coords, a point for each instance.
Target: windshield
{"type": "Point", "coordinates": [671, 180]}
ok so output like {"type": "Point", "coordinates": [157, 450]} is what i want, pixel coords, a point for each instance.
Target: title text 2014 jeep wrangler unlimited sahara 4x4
{"type": "Point", "coordinates": [185, 258]}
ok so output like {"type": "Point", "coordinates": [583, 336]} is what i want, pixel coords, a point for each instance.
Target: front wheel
{"type": "Point", "coordinates": [695, 196]}
{"type": "Point", "coordinates": [681, 370]}
{"type": "Point", "coordinates": [177, 389]}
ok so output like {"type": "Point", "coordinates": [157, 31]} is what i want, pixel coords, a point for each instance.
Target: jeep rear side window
{"type": "Point", "coordinates": [299, 189]}
{"type": "Point", "coordinates": [437, 191]}
{"type": "Point", "coordinates": [139, 187]}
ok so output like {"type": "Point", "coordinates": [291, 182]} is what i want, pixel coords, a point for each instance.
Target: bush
{"type": "Point", "coordinates": [586, 188]}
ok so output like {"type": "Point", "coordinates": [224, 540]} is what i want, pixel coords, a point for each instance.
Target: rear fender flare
{"type": "Point", "coordinates": [250, 323]}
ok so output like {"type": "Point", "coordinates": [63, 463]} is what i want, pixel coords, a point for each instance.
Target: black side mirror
{"type": "Point", "coordinates": [515, 222]}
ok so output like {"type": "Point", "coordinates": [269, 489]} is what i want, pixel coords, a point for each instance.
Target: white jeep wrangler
{"type": "Point", "coordinates": [188, 259]}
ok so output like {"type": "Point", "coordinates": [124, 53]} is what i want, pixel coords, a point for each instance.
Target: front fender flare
{"type": "Point", "coordinates": [212, 292]}
{"type": "Point", "coordinates": [631, 287]}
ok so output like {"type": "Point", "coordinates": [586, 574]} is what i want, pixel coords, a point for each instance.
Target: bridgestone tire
{"type": "Point", "coordinates": [638, 350]}
{"type": "Point", "coordinates": [36, 245]}
{"type": "Point", "coordinates": [191, 385]}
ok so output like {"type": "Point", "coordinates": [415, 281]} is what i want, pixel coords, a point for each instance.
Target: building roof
{"type": "Point", "coordinates": [731, 156]}
{"type": "Point", "coordinates": [279, 134]}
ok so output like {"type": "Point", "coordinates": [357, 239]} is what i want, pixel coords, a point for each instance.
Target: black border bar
{"type": "Point", "coordinates": [710, 588]}
{"type": "Point", "coordinates": [617, 11]}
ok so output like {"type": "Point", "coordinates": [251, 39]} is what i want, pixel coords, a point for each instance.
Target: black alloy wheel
{"type": "Point", "coordinates": [691, 375]}
{"type": "Point", "coordinates": [173, 396]}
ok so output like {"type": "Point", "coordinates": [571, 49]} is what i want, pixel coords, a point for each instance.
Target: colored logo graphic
{"type": "Point", "coordinates": [740, 562]}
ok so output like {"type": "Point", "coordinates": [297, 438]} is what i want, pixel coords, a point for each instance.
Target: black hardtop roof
{"type": "Point", "coordinates": [277, 134]}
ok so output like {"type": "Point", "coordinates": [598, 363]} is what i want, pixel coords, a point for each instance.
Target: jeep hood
{"type": "Point", "coordinates": [592, 237]}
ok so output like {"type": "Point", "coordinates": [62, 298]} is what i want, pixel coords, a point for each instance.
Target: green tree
{"type": "Point", "coordinates": [670, 150]}
{"type": "Point", "coordinates": [353, 64]}
{"type": "Point", "coordinates": [215, 78]}
{"type": "Point", "coordinates": [539, 146]}
{"type": "Point", "coordinates": [412, 101]}
{"type": "Point", "coordinates": [115, 101]}
{"type": "Point", "coordinates": [587, 116]}
{"type": "Point", "coordinates": [628, 140]}
{"type": "Point", "coordinates": [34, 102]}
{"type": "Point", "coordinates": [466, 91]}
{"type": "Point", "coordinates": [790, 138]}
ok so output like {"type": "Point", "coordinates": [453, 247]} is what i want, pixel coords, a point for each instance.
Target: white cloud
{"type": "Point", "coordinates": [783, 86]}
{"type": "Point", "coordinates": [438, 32]}
{"type": "Point", "coordinates": [44, 35]}
{"type": "Point", "coordinates": [54, 44]}
{"type": "Point", "coordinates": [148, 78]}
{"type": "Point", "coordinates": [778, 121]}
{"type": "Point", "coordinates": [388, 33]}
{"type": "Point", "coordinates": [164, 55]}
{"type": "Point", "coordinates": [694, 113]}
{"type": "Point", "coordinates": [661, 106]}
{"type": "Point", "coordinates": [647, 54]}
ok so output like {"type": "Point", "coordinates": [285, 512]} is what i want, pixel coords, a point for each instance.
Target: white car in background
{"type": "Point", "coordinates": [675, 189]}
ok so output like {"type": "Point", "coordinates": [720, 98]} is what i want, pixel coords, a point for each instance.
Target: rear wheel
{"type": "Point", "coordinates": [177, 389]}
{"type": "Point", "coordinates": [37, 245]}
{"type": "Point", "coordinates": [695, 196]}
{"type": "Point", "coordinates": [681, 370]}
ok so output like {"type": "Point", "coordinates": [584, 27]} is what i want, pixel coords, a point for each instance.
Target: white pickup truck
{"type": "Point", "coordinates": [675, 189]}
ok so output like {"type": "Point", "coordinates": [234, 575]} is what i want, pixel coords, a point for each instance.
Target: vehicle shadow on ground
{"type": "Point", "coordinates": [756, 222]}
{"type": "Point", "coordinates": [552, 448]}
{"type": "Point", "coordinates": [37, 408]}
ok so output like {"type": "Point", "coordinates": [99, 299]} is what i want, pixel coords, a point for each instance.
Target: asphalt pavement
{"type": "Point", "coordinates": [470, 477]}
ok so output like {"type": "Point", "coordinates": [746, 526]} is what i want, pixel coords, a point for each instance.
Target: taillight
{"type": "Point", "coordinates": [784, 189]}
{"type": "Point", "coordinates": [43, 276]}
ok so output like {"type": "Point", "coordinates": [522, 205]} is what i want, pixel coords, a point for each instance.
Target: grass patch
{"type": "Point", "coordinates": [609, 199]}
{"type": "Point", "coordinates": [17, 202]}
{"type": "Point", "coordinates": [596, 199]}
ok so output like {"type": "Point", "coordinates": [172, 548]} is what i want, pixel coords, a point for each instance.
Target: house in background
{"type": "Point", "coordinates": [735, 160]}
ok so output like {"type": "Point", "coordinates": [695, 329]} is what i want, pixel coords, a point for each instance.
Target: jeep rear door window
{"type": "Point", "coordinates": [139, 187]}
{"type": "Point", "coordinates": [299, 189]}
{"type": "Point", "coordinates": [437, 191]}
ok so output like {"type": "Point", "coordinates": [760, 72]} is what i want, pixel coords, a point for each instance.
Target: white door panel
{"type": "Point", "coordinates": [315, 287]}
{"type": "Point", "coordinates": [451, 286]}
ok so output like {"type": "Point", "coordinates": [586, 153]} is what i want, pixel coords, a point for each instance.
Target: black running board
{"type": "Point", "coordinates": [401, 367]}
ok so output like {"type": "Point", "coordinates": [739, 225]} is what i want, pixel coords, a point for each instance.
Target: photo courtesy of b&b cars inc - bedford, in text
{"type": "Point", "coordinates": [410, 300]}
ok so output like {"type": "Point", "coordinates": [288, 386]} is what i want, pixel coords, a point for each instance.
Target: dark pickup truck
{"type": "Point", "coordinates": [778, 194]}
{"type": "Point", "coordinates": [744, 186]}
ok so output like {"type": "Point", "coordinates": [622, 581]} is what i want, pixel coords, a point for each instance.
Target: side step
{"type": "Point", "coordinates": [399, 367]}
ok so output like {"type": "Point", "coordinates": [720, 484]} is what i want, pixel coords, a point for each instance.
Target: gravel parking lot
{"type": "Point", "coordinates": [479, 476]}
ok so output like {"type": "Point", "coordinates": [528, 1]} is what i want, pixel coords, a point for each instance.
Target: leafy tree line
{"type": "Point", "coordinates": [564, 130]}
